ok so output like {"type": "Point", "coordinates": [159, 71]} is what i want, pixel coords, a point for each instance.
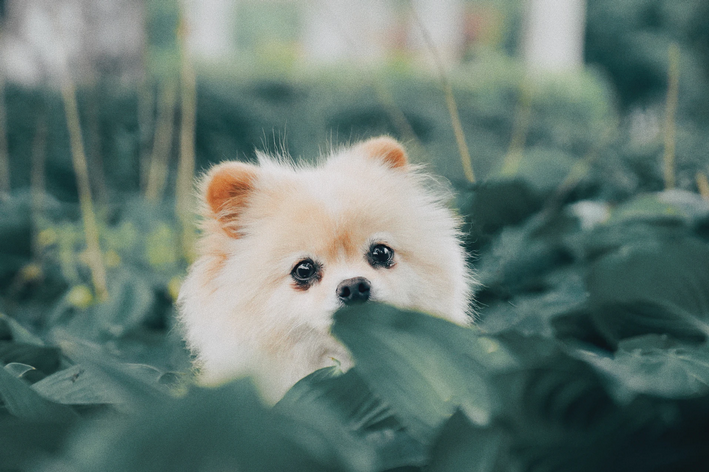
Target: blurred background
{"type": "Point", "coordinates": [108, 109]}
{"type": "Point", "coordinates": [295, 74]}
{"type": "Point", "coordinates": [575, 138]}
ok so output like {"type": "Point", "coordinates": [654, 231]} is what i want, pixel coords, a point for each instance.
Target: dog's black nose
{"type": "Point", "coordinates": [354, 290]}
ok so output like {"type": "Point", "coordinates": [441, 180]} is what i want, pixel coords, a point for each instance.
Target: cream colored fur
{"type": "Point", "coordinates": [239, 309]}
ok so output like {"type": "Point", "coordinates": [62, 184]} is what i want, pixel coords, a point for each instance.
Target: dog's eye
{"type": "Point", "coordinates": [304, 271]}
{"type": "Point", "coordinates": [381, 255]}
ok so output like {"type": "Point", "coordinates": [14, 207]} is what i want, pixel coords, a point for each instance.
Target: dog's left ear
{"type": "Point", "coordinates": [387, 150]}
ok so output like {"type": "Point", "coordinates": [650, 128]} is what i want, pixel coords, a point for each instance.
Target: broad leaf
{"type": "Point", "coordinates": [463, 446]}
{"type": "Point", "coordinates": [45, 359]}
{"type": "Point", "coordinates": [655, 365]}
{"type": "Point", "coordinates": [11, 330]}
{"type": "Point", "coordinates": [23, 402]}
{"type": "Point", "coordinates": [78, 386]}
{"type": "Point", "coordinates": [129, 304]}
{"type": "Point", "coordinates": [215, 429]}
{"type": "Point", "coordinates": [424, 367]}
{"type": "Point", "coordinates": [348, 398]}
{"type": "Point", "coordinates": [660, 288]}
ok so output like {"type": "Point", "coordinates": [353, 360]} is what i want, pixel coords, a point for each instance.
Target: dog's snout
{"type": "Point", "coordinates": [354, 290]}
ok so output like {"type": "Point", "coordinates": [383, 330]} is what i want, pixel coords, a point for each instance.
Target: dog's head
{"type": "Point", "coordinates": [284, 247]}
{"type": "Point", "coordinates": [358, 228]}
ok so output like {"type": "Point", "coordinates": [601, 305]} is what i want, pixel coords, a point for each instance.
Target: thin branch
{"type": "Point", "coordinates": [450, 99]}
{"type": "Point", "coordinates": [93, 249]}
{"type": "Point", "coordinates": [37, 181]}
{"type": "Point", "coordinates": [670, 113]}
{"type": "Point", "coordinates": [186, 163]}
{"type": "Point", "coordinates": [146, 109]}
{"type": "Point", "coordinates": [157, 175]}
{"type": "Point", "coordinates": [523, 117]}
{"type": "Point", "coordinates": [4, 155]}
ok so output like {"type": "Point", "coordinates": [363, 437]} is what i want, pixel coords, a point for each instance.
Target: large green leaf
{"type": "Point", "coordinates": [655, 365]}
{"type": "Point", "coordinates": [463, 446]}
{"type": "Point", "coordinates": [46, 359]}
{"type": "Point", "coordinates": [15, 231]}
{"type": "Point", "coordinates": [533, 314]}
{"type": "Point", "coordinates": [78, 386]}
{"type": "Point", "coordinates": [131, 384]}
{"type": "Point", "coordinates": [131, 299]}
{"type": "Point", "coordinates": [669, 205]}
{"type": "Point", "coordinates": [23, 402]}
{"type": "Point", "coordinates": [424, 367]}
{"type": "Point", "coordinates": [660, 287]}
{"type": "Point", "coordinates": [348, 398]}
{"type": "Point", "coordinates": [24, 442]}
{"type": "Point", "coordinates": [494, 204]}
{"type": "Point", "coordinates": [216, 429]}
{"type": "Point", "coordinates": [11, 330]}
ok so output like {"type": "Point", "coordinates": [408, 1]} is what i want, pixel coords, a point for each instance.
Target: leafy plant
{"type": "Point", "coordinates": [589, 350]}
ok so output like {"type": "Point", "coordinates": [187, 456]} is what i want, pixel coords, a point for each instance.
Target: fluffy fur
{"type": "Point", "coordinates": [241, 310]}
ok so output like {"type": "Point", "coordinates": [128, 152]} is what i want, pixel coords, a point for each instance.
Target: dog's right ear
{"type": "Point", "coordinates": [226, 189]}
{"type": "Point", "coordinates": [386, 150]}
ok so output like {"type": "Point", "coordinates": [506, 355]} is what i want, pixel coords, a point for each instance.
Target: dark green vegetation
{"type": "Point", "coordinates": [590, 349]}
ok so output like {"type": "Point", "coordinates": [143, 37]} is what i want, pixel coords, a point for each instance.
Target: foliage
{"type": "Point", "coordinates": [590, 353]}
{"type": "Point", "coordinates": [630, 41]}
{"type": "Point", "coordinates": [589, 350]}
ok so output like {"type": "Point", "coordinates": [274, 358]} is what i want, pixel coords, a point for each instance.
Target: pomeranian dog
{"type": "Point", "coordinates": [283, 246]}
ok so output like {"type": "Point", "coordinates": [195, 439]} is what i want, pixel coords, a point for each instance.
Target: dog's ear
{"type": "Point", "coordinates": [226, 189]}
{"type": "Point", "coordinates": [387, 150]}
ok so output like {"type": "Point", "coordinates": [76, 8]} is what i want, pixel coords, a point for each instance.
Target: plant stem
{"type": "Point", "coordinates": [450, 100]}
{"type": "Point", "coordinates": [703, 185]}
{"type": "Point", "coordinates": [4, 155]}
{"type": "Point", "coordinates": [93, 138]}
{"type": "Point", "coordinates": [670, 112]}
{"type": "Point", "coordinates": [186, 163]}
{"type": "Point", "coordinates": [37, 183]}
{"type": "Point", "coordinates": [145, 129]}
{"type": "Point", "coordinates": [157, 175]}
{"type": "Point", "coordinates": [523, 117]}
{"type": "Point", "coordinates": [93, 249]}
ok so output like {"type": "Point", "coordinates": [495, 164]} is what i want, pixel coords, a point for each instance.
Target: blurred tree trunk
{"type": "Point", "coordinates": [553, 37]}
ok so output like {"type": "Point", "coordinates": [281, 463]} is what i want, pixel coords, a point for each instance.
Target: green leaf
{"type": "Point", "coordinates": [17, 369]}
{"type": "Point", "coordinates": [347, 398]}
{"type": "Point", "coordinates": [655, 365]}
{"type": "Point", "coordinates": [669, 205]}
{"type": "Point", "coordinates": [494, 204]}
{"type": "Point", "coordinates": [46, 359]}
{"type": "Point", "coordinates": [11, 330]}
{"type": "Point", "coordinates": [130, 302]}
{"type": "Point", "coordinates": [424, 367]}
{"type": "Point", "coordinates": [214, 429]}
{"type": "Point", "coordinates": [545, 169]}
{"type": "Point", "coordinates": [25, 372]}
{"type": "Point", "coordinates": [533, 314]}
{"type": "Point", "coordinates": [23, 442]}
{"type": "Point", "coordinates": [521, 257]}
{"type": "Point", "coordinates": [133, 384]}
{"type": "Point", "coordinates": [463, 446]}
{"type": "Point", "coordinates": [23, 402]}
{"type": "Point", "coordinates": [660, 288]}
{"type": "Point", "coordinates": [78, 386]}
{"type": "Point", "coordinates": [15, 231]}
